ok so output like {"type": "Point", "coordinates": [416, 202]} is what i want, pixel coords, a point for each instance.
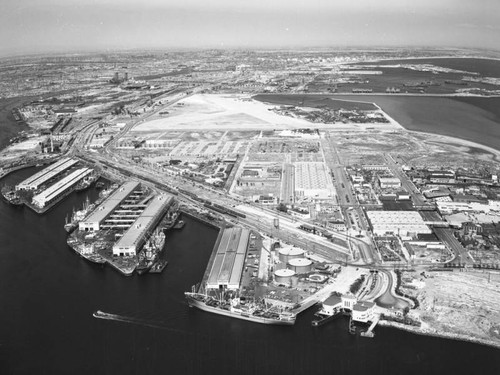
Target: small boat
{"type": "Point", "coordinates": [11, 196]}
{"type": "Point", "coordinates": [179, 225]}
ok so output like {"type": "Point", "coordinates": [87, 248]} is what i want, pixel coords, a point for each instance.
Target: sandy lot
{"type": "Point", "coordinates": [466, 303]}
{"type": "Point", "coordinates": [235, 112]}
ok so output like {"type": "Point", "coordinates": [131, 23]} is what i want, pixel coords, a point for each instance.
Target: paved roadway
{"type": "Point", "coordinates": [461, 255]}
{"type": "Point", "coordinates": [417, 198]}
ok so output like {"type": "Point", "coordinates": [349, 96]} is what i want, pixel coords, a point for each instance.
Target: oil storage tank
{"type": "Point", "coordinates": [288, 253]}
{"type": "Point", "coordinates": [283, 276]}
{"type": "Point", "coordinates": [300, 265]}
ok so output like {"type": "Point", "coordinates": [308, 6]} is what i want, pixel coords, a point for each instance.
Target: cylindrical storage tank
{"type": "Point", "coordinates": [289, 253]}
{"type": "Point", "coordinates": [300, 265]}
{"type": "Point", "coordinates": [283, 276]}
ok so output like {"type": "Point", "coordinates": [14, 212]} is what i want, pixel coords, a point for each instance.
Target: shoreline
{"type": "Point", "coordinates": [434, 333]}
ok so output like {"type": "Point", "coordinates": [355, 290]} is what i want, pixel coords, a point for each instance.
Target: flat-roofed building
{"type": "Point", "coordinates": [389, 182]}
{"type": "Point", "coordinates": [108, 206]}
{"type": "Point", "coordinates": [364, 311]}
{"type": "Point", "coordinates": [229, 261]}
{"type": "Point", "coordinates": [59, 188]}
{"type": "Point", "coordinates": [312, 180]}
{"type": "Point", "coordinates": [403, 223]}
{"type": "Point", "coordinates": [38, 179]}
{"type": "Point", "coordinates": [135, 236]}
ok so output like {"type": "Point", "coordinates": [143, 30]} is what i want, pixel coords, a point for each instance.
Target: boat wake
{"type": "Point", "coordinates": [133, 320]}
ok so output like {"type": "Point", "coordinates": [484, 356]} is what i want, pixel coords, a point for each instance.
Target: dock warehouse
{"type": "Point", "coordinates": [106, 208]}
{"type": "Point", "coordinates": [38, 179]}
{"type": "Point", "coordinates": [229, 261]}
{"type": "Point", "coordinates": [135, 236]}
{"type": "Point", "coordinates": [61, 187]}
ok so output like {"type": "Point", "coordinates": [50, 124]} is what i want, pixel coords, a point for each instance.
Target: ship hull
{"type": "Point", "coordinates": [192, 302]}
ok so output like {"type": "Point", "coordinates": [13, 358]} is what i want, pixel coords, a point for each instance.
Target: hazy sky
{"type": "Point", "coordinates": [35, 26]}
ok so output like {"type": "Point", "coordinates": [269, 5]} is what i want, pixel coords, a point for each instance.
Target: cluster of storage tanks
{"type": "Point", "coordinates": [296, 264]}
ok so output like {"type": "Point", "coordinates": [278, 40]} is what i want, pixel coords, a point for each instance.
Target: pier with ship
{"type": "Point", "coordinates": [49, 186]}
{"type": "Point", "coordinates": [246, 279]}
{"type": "Point", "coordinates": [126, 229]}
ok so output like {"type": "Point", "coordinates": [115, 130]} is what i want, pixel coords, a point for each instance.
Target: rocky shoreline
{"type": "Point", "coordinates": [435, 333]}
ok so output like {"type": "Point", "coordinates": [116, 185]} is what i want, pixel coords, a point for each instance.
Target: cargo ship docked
{"type": "Point", "coordinates": [235, 308]}
{"type": "Point", "coordinates": [86, 182]}
{"type": "Point", "coordinates": [149, 256]}
{"type": "Point", "coordinates": [77, 216]}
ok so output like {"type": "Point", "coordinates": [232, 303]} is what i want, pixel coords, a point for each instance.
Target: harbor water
{"type": "Point", "coordinates": [49, 294]}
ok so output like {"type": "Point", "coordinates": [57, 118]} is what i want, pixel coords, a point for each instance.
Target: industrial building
{"type": "Point", "coordinates": [312, 180]}
{"type": "Point", "coordinates": [106, 208]}
{"type": "Point", "coordinates": [403, 223]}
{"type": "Point", "coordinates": [45, 175]}
{"type": "Point", "coordinates": [60, 188]}
{"type": "Point", "coordinates": [389, 182]}
{"type": "Point", "coordinates": [229, 260]}
{"type": "Point", "coordinates": [135, 236]}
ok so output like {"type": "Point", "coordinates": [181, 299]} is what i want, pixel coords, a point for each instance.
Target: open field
{"type": "Point", "coordinates": [465, 303]}
{"type": "Point", "coordinates": [203, 112]}
{"type": "Point", "coordinates": [215, 112]}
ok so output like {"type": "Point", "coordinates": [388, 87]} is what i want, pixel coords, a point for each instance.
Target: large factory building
{"type": "Point", "coordinates": [132, 240]}
{"type": "Point", "coordinates": [402, 223]}
{"type": "Point", "coordinates": [312, 180]}
{"type": "Point", "coordinates": [229, 261]}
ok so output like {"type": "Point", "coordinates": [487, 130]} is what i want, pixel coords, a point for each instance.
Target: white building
{"type": "Point", "coordinates": [60, 188]}
{"type": "Point", "coordinates": [94, 221]}
{"type": "Point", "coordinates": [389, 182]}
{"type": "Point", "coordinates": [312, 180]}
{"type": "Point", "coordinates": [402, 223]}
{"type": "Point", "coordinates": [363, 311]}
{"type": "Point", "coordinates": [135, 236]}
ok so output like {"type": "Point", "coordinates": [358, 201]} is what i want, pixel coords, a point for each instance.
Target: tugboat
{"type": "Point", "coordinates": [11, 196]}
{"type": "Point", "coordinates": [179, 225]}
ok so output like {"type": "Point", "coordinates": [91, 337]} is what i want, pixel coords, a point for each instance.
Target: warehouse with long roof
{"type": "Point", "coordinates": [229, 261]}
{"type": "Point", "coordinates": [135, 236]}
{"type": "Point", "coordinates": [108, 206]}
{"type": "Point", "coordinates": [60, 188]}
{"type": "Point", "coordinates": [45, 175]}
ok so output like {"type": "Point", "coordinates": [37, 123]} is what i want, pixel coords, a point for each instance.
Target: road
{"type": "Point", "coordinates": [417, 198]}
{"type": "Point", "coordinates": [461, 255]}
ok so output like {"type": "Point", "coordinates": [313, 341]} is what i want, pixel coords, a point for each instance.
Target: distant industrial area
{"type": "Point", "coordinates": [320, 195]}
